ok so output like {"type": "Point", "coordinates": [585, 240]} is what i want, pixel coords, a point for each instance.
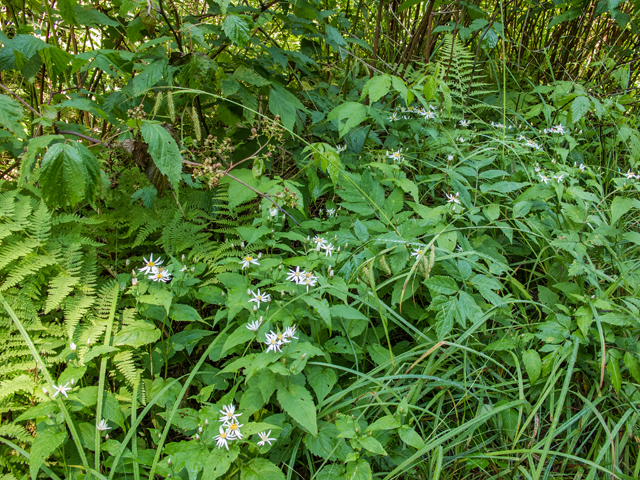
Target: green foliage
{"type": "Point", "coordinates": [384, 268]}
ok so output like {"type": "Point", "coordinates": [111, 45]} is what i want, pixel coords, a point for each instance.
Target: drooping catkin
{"type": "Point", "coordinates": [170, 106]}
{"type": "Point", "coordinates": [158, 104]}
{"type": "Point", "coordinates": [385, 266]}
{"type": "Point", "coordinates": [196, 123]}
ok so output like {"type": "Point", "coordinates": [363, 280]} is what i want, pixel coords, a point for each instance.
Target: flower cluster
{"type": "Point", "coordinates": [420, 111]}
{"type": "Point", "coordinates": [556, 129]}
{"type": "Point", "coordinates": [230, 428]}
{"type": "Point", "coordinates": [322, 244]}
{"type": "Point", "coordinates": [274, 341]}
{"type": "Point", "coordinates": [288, 197]}
{"type": "Point", "coordinates": [302, 278]}
{"type": "Point", "coordinates": [154, 271]}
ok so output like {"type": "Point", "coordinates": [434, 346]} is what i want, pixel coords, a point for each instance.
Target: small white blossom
{"type": "Point", "coordinates": [61, 389]}
{"type": "Point", "coordinates": [296, 276]}
{"type": "Point", "coordinates": [233, 430]}
{"type": "Point", "coordinates": [255, 325]}
{"type": "Point", "coordinates": [450, 158]}
{"type": "Point", "coordinates": [160, 275]}
{"type": "Point", "coordinates": [150, 264]}
{"type": "Point", "coordinates": [582, 167]}
{"type": "Point", "coordinates": [222, 440]}
{"type": "Point", "coordinates": [247, 260]}
{"type": "Point", "coordinates": [290, 332]}
{"type": "Point", "coordinates": [341, 148]}
{"type": "Point", "coordinates": [328, 248]}
{"type": "Point", "coordinates": [453, 198]}
{"type": "Point", "coordinates": [464, 123]}
{"type": "Point", "coordinates": [331, 211]}
{"type": "Point", "coordinates": [184, 268]}
{"type": "Point", "coordinates": [73, 346]}
{"type": "Point", "coordinates": [103, 426]}
{"type": "Point", "coordinates": [543, 179]}
{"type": "Point", "coordinates": [134, 282]}
{"type": "Point", "coordinates": [309, 282]}
{"type": "Point", "coordinates": [393, 117]}
{"type": "Point", "coordinates": [396, 156]}
{"type": "Point", "coordinates": [260, 297]}
{"type": "Point", "coordinates": [559, 178]}
{"type": "Point", "coordinates": [264, 438]}
{"type": "Point", "coordinates": [229, 414]}
{"type": "Point", "coordinates": [418, 251]}
{"type": "Point", "coordinates": [630, 175]}
{"type": "Point", "coordinates": [273, 343]}
{"type": "Point", "coordinates": [273, 212]}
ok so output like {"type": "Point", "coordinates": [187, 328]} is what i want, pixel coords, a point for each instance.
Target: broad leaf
{"type": "Point", "coordinates": [297, 402]}
{"type": "Point", "coordinates": [260, 469]}
{"type": "Point", "coordinates": [533, 364]}
{"type": "Point", "coordinates": [45, 443]}
{"type": "Point", "coordinates": [163, 150]}
{"type": "Point", "coordinates": [137, 334]}
{"type": "Point", "coordinates": [236, 28]}
{"type": "Point", "coordinates": [10, 115]}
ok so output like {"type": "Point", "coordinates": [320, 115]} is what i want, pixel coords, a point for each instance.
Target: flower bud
{"type": "Point", "coordinates": [133, 272]}
{"type": "Point", "coordinates": [45, 391]}
{"type": "Point", "coordinates": [168, 461]}
{"type": "Point", "coordinates": [73, 346]}
{"type": "Point", "coordinates": [259, 255]}
{"type": "Point", "coordinates": [255, 308]}
{"type": "Point", "coordinates": [193, 269]}
{"type": "Point", "coordinates": [72, 382]}
{"type": "Point", "coordinates": [88, 342]}
{"type": "Point", "coordinates": [126, 262]}
{"type": "Point", "coordinates": [182, 258]}
{"type": "Point", "coordinates": [242, 244]}
{"type": "Point", "coordinates": [106, 437]}
{"type": "Point", "coordinates": [248, 291]}
{"type": "Point", "coordinates": [206, 422]}
{"type": "Point", "coordinates": [197, 437]}
{"type": "Point", "coordinates": [199, 429]}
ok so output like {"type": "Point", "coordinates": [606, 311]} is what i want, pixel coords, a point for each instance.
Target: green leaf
{"type": "Point", "coordinates": [69, 175]}
{"type": "Point", "coordinates": [444, 285]}
{"type": "Point", "coordinates": [250, 76]}
{"type": "Point", "coordinates": [322, 381]}
{"type": "Point", "coordinates": [401, 87]}
{"type": "Point", "coordinates": [46, 442]}
{"type": "Point", "coordinates": [354, 321]}
{"type": "Point", "coordinates": [240, 335]}
{"type": "Point", "coordinates": [630, 360]}
{"type": "Point", "coordinates": [284, 103]}
{"type": "Point", "coordinates": [613, 367]}
{"type": "Point", "coordinates": [409, 436]}
{"type": "Point", "coordinates": [349, 115]}
{"type": "Point", "coordinates": [33, 148]}
{"type": "Point", "coordinates": [236, 28]}
{"type": "Point", "coordinates": [219, 461]}
{"type": "Point", "coordinates": [359, 470]}
{"type": "Point", "coordinates": [94, 18]}
{"type": "Point", "coordinates": [260, 469]}
{"type": "Point", "coordinates": [111, 410]}
{"type": "Point", "coordinates": [297, 402]}
{"type": "Point", "coordinates": [376, 87]}
{"type": "Point", "coordinates": [388, 422]}
{"type": "Point", "coordinates": [361, 231]}
{"type": "Point", "coordinates": [137, 334]}
{"type": "Point", "coordinates": [533, 364]}
{"type": "Point", "coordinates": [67, 9]}
{"type": "Point", "coordinates": [579, 108]}
{"type": "Point", "coordinates": [184, 313]}
{"type": "Point", "coordinates": [620, 206]}
{"type": "Point", "coordinates": [10, 115]}
{"type": "Point", "coordinates": [372, 445]}
{"type": "Point", "coordinates": [163, 150]}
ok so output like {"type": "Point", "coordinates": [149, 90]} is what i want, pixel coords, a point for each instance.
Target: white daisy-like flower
{"type": "Point", "coordinates": [255, 325]}
{"type": "Point", "coordinates": [393, 117]}
{"type": "Point", "coordinates": [103, 426]}
{"type": "Point", "coordinates": [460, 140]}
{"type": "Point", "coordinates": [319, 241]}
{"type": "Point", "coordinates": [222, 440]}
{"type": "Point", "coordinates": [290, 332]}
{"type": "Point", "coordinates": [450, 158]}
{"type": "Point", "coordinates": [630, 175]}
{"type": "Point", "coordinates": [160, 275]}
{"type": "Point", "coordinates": [582, 167]}
{"type": "Point", "coordinates": [150, 264]}
{"type": "Point", "coordinates": [296, 276]}
{"type": "Point", "coordinates": [309, 282]}
{"type": "Point", "coordinates": [184, 268]}
{"type": "Point", "coordinates": [328, 248]}
{"type": "Point", "coordinates": [464, 123]}
{"type": "Point", "coordinates": [260, 298]}
{"type": "Point", "coordinates": [418, 251]}
{"type": "Point", "coordinates": [73, 346]}
{"type": "Point", "coordinates": [428, 115]}
{"type": "Point", "coordinates": [229, 414]}
{"type": "Point", "coordinates": [543, 179]}
{"type": "Point", "coordinates": [453, 198]}
{"type": "Point", "coordinates": [264, 438]}
{"type": "Point", "coordinates": [272, 342]}
{"type": "Point", "coordinates": [341, 148]}
{"type": "Point", "coordinates": [559, 178]}
{"type": "Point", "coordinates": [233, 430]}
{"type": "Point", "coordinates": [331, 211]}
{"type": "Point", "coordinates": [247, 260]}
{"type": "Point", "coordinates": [61, 389]}
{"type": "Point", "coordinates": [273, 212]}
{"type": "Point", "coordinates": [537, 169]}
{"type": "Point", "coordinates": [396, 156]}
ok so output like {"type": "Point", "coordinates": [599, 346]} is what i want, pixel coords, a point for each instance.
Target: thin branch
{"type": "Point", "coordinates": [21, 100]}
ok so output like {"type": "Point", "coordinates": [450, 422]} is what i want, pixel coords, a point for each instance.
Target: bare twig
{"type": "Point", "coordinates": [35, 112]}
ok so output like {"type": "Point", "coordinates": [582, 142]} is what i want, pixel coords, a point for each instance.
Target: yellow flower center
{"type": "Point", "coordinates": [248, 258]}
{"type": "Point", "coordinates": [223, 435]}
{"type": "Point", "coordinates": [151, 264]}
{"type": "Point", "coordinates": [233, 426]}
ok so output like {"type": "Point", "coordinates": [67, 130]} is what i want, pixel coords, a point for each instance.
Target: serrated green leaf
{"type": "Point", "coordinates": [533, 365]}
{"type": "Point", "coordinates": [348, 115]}
{"type": "Point", "coordinates": [260, 469]}
{"type": "Point", "coordinates": [359, 470]}
{"type": "Point", "coordinates": [376, 87]}
{"type": "Point", "coordinates": [33, 148]}
{"type": "Point", "coordinates": [10, 115]}
{"type": "Point", "coordinates": [632, 363]}
{"type": "Point", "coordinates": [45, 443]}
{"type": "Point", "coordinates": [322, 381]}
{"type": "Point", "coordinates": [236, 28]}
{"type": "Point", "coordinates": [137, 334]}
{"type": "Point", "coordinates": [163, 150]}
{"type": "Point", "coordinates": [297, 402]}
{"type": "Point", "coordinates": [579, 108]}
{"type": "Point", "coordinates": [444, 285]}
